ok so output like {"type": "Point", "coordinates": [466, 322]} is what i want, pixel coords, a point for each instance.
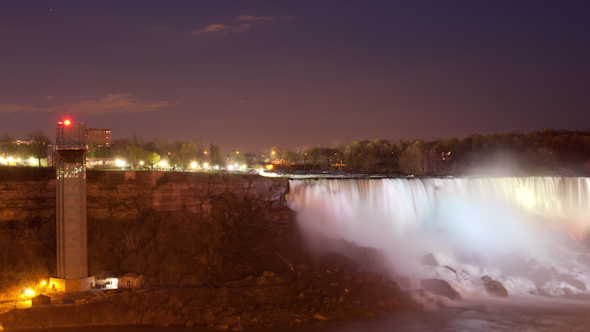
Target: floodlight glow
{"type": "Point", "coordinates": [162, 164]}
{"type": "Point", "coordinates": [230, 167]}
{"type": "Point", "coordinates": [120, 163]}
{"type": "Point", "coordinates": [32, 160]}
{"type": "Point", "coordinates": [194, 165]}
{"type": "Point", "coordinates": [29, 292]}
{"type": "Point", "coordinates": [216, 167]}
{"type": "Point", "coordinates": [205, 165]}
{"type": "Point", "coordinates": [10, 159]}
{"type": "Point", "coordinates": [141, 163]}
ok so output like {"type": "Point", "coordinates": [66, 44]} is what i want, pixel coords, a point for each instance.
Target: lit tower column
{"type": "Point", "coordinates": [72, 255]}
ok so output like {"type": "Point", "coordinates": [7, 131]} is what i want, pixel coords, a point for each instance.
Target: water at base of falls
{"type": "Point", "coordinates": [541, 315]}
{"type": "Point", "coordinates": [525, 233]}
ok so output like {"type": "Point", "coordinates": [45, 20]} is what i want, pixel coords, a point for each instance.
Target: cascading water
{"type": "Point", "coordinates": [525, 232]}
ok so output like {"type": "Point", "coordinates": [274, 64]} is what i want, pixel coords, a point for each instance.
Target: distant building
{"type": "Point", "coordinates": [41, 300]}
{"type": "Point", "coordinates": [51, 155]}
{"type": "Point", "coordinates": [131, 280]}
{"type": "Point", "coordinates": [19, 142]}
{"type": "Point", "coordinates": [98, 136]}
{"type": "Point", "coordinates": [100, 162]}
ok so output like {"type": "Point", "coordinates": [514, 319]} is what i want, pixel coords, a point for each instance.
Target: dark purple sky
{"type": "Point", "coordinates": [250, 75]}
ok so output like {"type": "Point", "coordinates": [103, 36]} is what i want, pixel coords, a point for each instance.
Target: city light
{"type": "Point", "coordinates": [29, 292]}
{"type": "Point", "coordinates": [120, 163]}
{"type": "Point", "coordinates": [141, 163]}
{"type": "Point", "coordinates": [194, 165]}
{"type": "Point", "coordinates": [67, 122]}
{"type": "Point", "coordinates": [162, 164]}
{"type": "Point", "coordinates": [230, 167]}
{"type": "Point", "coordinates": [205, 165]}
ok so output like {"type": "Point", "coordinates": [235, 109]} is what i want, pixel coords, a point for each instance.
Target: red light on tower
{"type": "Point", "coordinates": [67, 122]}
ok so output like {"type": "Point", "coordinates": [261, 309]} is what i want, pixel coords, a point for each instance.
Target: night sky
{"type": "Point", "coordinates": [250, 75]}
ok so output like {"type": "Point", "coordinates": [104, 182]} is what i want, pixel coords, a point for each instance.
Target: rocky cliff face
{"type": "Point", "coordinates": [171, 227]}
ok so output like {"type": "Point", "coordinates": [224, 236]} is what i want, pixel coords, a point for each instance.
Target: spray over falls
{"type": "Point", "coordinates": [527, 232]}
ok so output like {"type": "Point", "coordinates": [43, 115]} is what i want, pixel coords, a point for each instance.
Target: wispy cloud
{"type": "Point", "coordinates": [221, 29]}
{"type": "Point", "coordinates": [8, 109]}
{"type": "Point", "coordinates": [259, 18]}
{"type": "Point", "coordinates": [227, 29]}
{"type": "Point", "coordinates": [121, 103]}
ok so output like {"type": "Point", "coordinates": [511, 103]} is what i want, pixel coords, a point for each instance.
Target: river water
{"type": "Point", "coordinates": [513, 314]}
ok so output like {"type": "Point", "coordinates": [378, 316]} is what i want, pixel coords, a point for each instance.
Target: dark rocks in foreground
{"type": "Point", "coordinates": [496, 288]}
{"type": "Point", "coordinates": [264, 301]}
{"type": "Point", "coordinates": [440, 287]}
{"type": "Point", "coordinates": [429, 260]}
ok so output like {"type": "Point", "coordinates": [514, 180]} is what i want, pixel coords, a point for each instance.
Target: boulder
{"type": "Point", "coordinates": [486, 279]}
{"type": "Point", "coordinates": [440, 304]}
{"type": "Point", "coordinates": [572, 281]}
{"type": "Point", "coordinates": [440, 287]}
{"type": "Point", "coordinates": [450, 269]}
{"type": "Point", "coordinates": [576, 283]}
{"type": "Point", "coordinates": [496, 288]}
{"type": "Point", "coordinates": [429, 260]}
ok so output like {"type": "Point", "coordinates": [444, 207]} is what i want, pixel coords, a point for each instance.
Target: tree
{"type": "Point", "coordinates": [152, 158]}
{"type": "Point", "coordinates": [38, 146]}
{"type": "Point", "coordinates": [216, 156]}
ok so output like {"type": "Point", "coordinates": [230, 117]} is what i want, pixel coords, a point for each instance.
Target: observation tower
{"type": "Point", "coordinates": [72, 245]}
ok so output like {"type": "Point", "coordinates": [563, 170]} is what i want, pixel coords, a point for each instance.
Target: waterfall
{"type": "Point", "coordinates": [542, 219]}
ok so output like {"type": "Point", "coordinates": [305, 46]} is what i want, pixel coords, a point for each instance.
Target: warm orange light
{"type": "Point", "coordinates": [269, 167]}
{"type": "Point", "coordinates": [67, 122]}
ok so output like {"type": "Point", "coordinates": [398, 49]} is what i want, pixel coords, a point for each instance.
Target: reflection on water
{"type": "Point", "coordinates": [513, 314]}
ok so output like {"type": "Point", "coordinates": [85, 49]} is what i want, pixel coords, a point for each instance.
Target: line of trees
{"type": "Point", "coordinates": [539, 152]}
{"type": "Point", "coordinates": [134, 150]}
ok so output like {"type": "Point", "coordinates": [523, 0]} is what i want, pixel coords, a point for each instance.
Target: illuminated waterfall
{"type": "Point", "coordinates": [450, 217]}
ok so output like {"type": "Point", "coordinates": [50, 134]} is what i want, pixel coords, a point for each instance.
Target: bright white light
{"type": "Point", "coordinates": [216, 167]}
{"type": "Point", "coordinates": [243, 166]}
{"type": "Point", "coordinates": [205, 165]}
{"type": "Point", "coordinates": [141, 163]}
{"type": "Point", "coordinates": [120, 163]}
{"type": "Point", "coordinates": [230, 167]}
{"type": "Point", "coordinates": [194, 165]}
{"type": "Point", "coordinates": [32, 160]}
{"type": "Point", "coordinates": [163, 164]}
{"type": "Point", "coordinates": [10, 159]}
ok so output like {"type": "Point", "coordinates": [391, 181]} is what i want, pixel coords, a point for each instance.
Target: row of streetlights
{"type": "Point", "coordinates": [10, 161]}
